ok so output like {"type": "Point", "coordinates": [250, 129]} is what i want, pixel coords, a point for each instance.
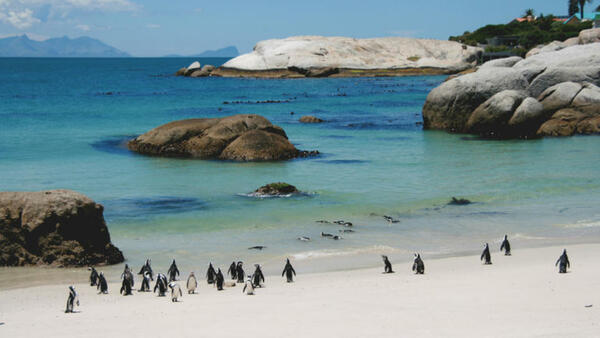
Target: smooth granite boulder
{"type": "Point", "coordinates": [58, 227]}
{"type": "Point", "coordinates": [243, 137]}
{"type": "Point", "coordinates": [504, 62]}
{"type": "Point", "coordinates": [562, 123]}
{"type": "Point", "coordinates": [192, 68]}
{"type": "Point", "coordinates": [559, 96]}
{"type": "Point", "coordinates": [589, 126]}
{"type": "Point", "coordinates": [527, 117]}
{"type": "Point", "coordinates": [556, 75]}
{"type": "Point", "coordinates": [588, 100]}
{"type": "Point", "coordinates": [492, 116]}
{"type": "Point", "coordinates": [587, 36]}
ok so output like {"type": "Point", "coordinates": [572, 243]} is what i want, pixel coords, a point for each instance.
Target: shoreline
{"type": "Point", "coordinates": [522, 295]}
{"type": "Point", "coordinates": [341, 73]}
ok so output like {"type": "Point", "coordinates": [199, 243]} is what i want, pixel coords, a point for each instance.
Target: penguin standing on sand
{"type": "Point", "coordinates": [563, 262]}
{"type": "Point", "coordinates": [248, 287]}
{"type": "Point", "coordinates": [239, 271]}
{"type": "Point", "coordinates": [73, 299]}
{"type": "Point", "coordinates": [505, 246]}
{"type": "Point", "coordinates": [418, 265]}
{"type": "Point", "coordinates": [288, 271]}
{"type": "Point", "coordinates": [173, 272]}
{"type": "Point", "coordinates": [192, 283]}
{"type": "Point", "coordinates": [127, 274]}
{"type": "Point", "coordinates": [232, 270]}
{"type": "Point", "coordinates": [126, 285]}
{"type": "Point", "coordinates": [257, 277]}
{"type": "Point", "coordinates": [93, 276]}
{"type": "Point", "coordinates": [147, 268]}
{"type": "Point", "coordinates": [102, 284]}
{"type": "Point", "coordinates": [219, 280]}
{"type": "Point", "coordinates": [210, 274]}
{"type": "Point", "coordinates": [388, 266]}
{"type": "Point", "coordinates": [486, 254]}
{"type": "Point", "coordinates": [175, 292]}
{"type": "Point", "coordinates": [145, 282]}
{"type": "Point", "coordinates": [161, 284]}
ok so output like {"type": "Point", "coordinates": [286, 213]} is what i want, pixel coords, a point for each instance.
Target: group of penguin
{"type": "Point", "coordinates": [214, 277]}
{"type": "Point", "coordinates": [236, 271]}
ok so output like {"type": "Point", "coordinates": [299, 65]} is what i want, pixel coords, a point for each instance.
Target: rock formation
{"type": "Point", "coordinates": [195, 70]}
{"type": "Point", "coordinates": [522, 97]}
{"type": "Point", "coordinates": [244, 137]}
{"type": "Point", "coordinates": [57, 227]}
{"type": "Point", "coordinates": [309, 119]}
{"type": "Point", "coordinates": [276, 189]}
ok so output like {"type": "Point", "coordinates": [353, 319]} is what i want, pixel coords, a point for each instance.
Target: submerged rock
{"type": "Point", "coordinates": [57, 227]}
{"type": "Point", "coordinates": [459, 201]}
{"type": "Point", "coordinates": [310, 119]}
{"type": "Point", "coordinates": [243, 137]}
{"type": "Point", "coordinates": [276, 189]}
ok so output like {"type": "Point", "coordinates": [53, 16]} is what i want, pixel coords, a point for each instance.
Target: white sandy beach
{"type": "Point", "coordinates": [517, 296]}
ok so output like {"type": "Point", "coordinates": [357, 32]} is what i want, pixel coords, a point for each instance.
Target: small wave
{"type": "Point", "coordinates": [377, 249]}
{"type": "Point", "coordinates": [523, 236]}
{"type": "Point", "coordinates": [585, 223]}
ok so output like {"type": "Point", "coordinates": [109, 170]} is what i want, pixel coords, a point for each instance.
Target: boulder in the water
{"type": "Point", "coordinates": [276, 189]}
{"type": "Point", "coordinates": [459, 201]}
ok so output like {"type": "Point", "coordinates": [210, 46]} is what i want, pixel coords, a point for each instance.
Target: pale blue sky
{"type": "Point", "coordinates": [159, 27]}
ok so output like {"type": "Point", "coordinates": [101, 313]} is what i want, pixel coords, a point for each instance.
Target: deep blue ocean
{"type": "Point", "coordinates": [64, 123]}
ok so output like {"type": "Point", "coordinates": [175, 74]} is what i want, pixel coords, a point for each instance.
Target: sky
{"type": "Point", "coordinates": [161, 27]}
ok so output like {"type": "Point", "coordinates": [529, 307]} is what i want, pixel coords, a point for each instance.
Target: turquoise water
{"type": "Point", "coordinates": [64, 122]}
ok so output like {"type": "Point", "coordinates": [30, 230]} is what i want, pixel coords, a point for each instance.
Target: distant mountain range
{"type": "Point", "coordinates": [230, 51]}
{"type": "Point", "coordinates": [22, 46]}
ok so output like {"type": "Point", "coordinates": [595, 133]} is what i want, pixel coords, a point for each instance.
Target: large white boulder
{"type": "Point", "coordinates": [307, 52]}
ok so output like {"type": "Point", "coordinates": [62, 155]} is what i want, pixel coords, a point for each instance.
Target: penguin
{"type": "Point", "coordinates": [248, 287]}
{"type": "Point", "coordinates": [145, 282]}
{"type": "Point", "coordinates": [486, 254]}
{"type": "Point", "coordinates": [127, 274]}
{"type": "Point", "coordinates": [210, 274]}
{"type": "Point", "coordinates": [192, 283]}
{"type": "Point", "coordinates": [126, 285]}
{"type": "Point", "coordinates": [102, 284]}
{"type": "Point", "coordinates": [175, 292]}
{"type": "Point", "coordinates": [336, 237]}
{"type": "Point", "coordinates": [388, 266]}
{"type": "Point", "coordinates": [219, 280]}
{"type": "Point", "coordinates": [326, 235]}
{"type": "Point", "coordinates": [288, 271]}
{"type": "Point", "coordinates": [505, 246]}
{"type": "Point", "coordinates": [161, 284]}
{"type": "Point", "coordinates": [390, 219]}
{"type": "Point", "coordinates": [418, 265]}
{"type": "Point", "coordinates": [344, 231]}
{"type": "Point", "coordinates": [257, 277]}
{"type": "Point", "coordinates": [258, 247]}
{"type": "Point", "coordinates": [72, 299]}
{"type": "Point", "coordinates": [240, 272]}
{"type": "Point", "coordinates": [232, 271]}
{"type": "Point", "coordinates": [147, 268]}
{"type": "Point", "coordinates": [93, 276]}
{"type": "Point", "coordinates": [343, 223]}
{"type": "Point", "coordinates": [173, 272]}
{"type": "Point", "coordinates": [563, 262]}
{"type": "Point", "coordinates": [304, 239]}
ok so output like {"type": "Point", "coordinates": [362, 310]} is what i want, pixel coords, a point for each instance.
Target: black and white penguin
{"type": "Point", "coordinates": [175, 292]}
{"type": "Point", "coordinates": [240, 272]}
{"type": "Point", "coordinates": [387, 265]}
{"type": "Point", "coordinates": [563, 262]}
{"type": "Point", "coordinates": [486, 254]}
{"type": "Point", "coordinates": [192, 283]}
{"type": "Point", "coordinates": [145, 282]}
{"type": "Point", "coordinates": [72, 299]}
{"type": "Point", "coordinates": [102, 284]}
{"type": "Point", "coordinates": [161, 284]}
{"type": "Point", "coordinates": [505, 246]}
{"type": "Point", "coordinates": [257, 277]}
{"type": "Point", "coordinates": [248, 287]}
{"type": "Point", "coordinates": [232, 271]}
{"type": "Point", "coordinates": [418, 266]}
{"type": "Point", "coordinates": [304, 238]}
{"type": "Point", "coordinates": [326, 235]}
{"type": "Point", "coordinates": [147, 268]}
{"type": "Point", "coordinates": [126, 285]}
{"type": "Point", "coordinates": [127, 274]}
{"type": "Point", "coordinates": [219, 280]}
{"type": "Point", "coordinates": [93, 276]}
{"type": "Point", "coordinates": [210, 274]}
{"type": "Point", "coordinates": [288, 271]}
{"type": "Point", "coordinates": [173, 271]}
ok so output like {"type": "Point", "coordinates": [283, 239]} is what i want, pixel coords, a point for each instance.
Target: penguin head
{"type": "Point", "coordinates": [287, 260]}
{"type": "Point", "coordinates": [219, 270]}
{"type": "Point", "coordinates": [101, 273]}
{"type": "Point", "coordinates": [192, 274]}
{"type": "Point", "coordinates": [71, 288]}
{"type": "Point", "coordinates": [172, 285]}
{"type": "Point", "coordinates": [257, 266]}
{"type": "Point", "coordinates": [505, 236]}
{"type": "Point", "coordinates": [564, 251]}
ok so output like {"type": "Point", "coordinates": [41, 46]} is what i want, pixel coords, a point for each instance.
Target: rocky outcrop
{"type": "Point", "coordinates": [57, 227]}
{"type": "Point", "coordinates": [196, 70]}
{"type": "Point", "coordinates": [485, 102]}
{"type": "Point", "coordinates": [317, 56]}
{"type": "Point", "coordinates": [244, 137]}
{"type": "Point", "coordinates": [309, 119]}
{"type": "Point", "coordinates": [276, 189]}
{"type": "Point", "coordinates": [504, 62]}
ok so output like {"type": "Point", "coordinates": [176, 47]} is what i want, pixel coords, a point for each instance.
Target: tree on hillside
{"type": "Point", "coordinates": [528, 12]}
{"type": "Point", "coordinates": [582, 4]}
{"type": "Point", "coordinates": [573, 7]}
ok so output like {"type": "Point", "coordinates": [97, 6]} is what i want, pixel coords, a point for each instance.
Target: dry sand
{"type": "Point", "coordinates": [517, 296]}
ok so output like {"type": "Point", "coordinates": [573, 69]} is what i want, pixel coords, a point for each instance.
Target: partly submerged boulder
{"type": "Point", "coordinates": [491, 117]}
{"type": "Point", "coordinates": [243, 137]}
{"type": "Point", "coordinates": [310, 119]}
{"type": "Point", "coordinates": [57, 227]}
{"type": "Point", "coordinates": [276, 189]}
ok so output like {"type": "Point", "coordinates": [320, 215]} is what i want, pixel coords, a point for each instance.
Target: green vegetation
{"type": "Point", "coordinates": [413, 58]}
{"type": "Point", "coordinates": [530, 34]}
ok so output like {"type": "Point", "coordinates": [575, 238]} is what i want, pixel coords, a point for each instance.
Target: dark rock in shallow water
{"type": "Point", "coordinates": [459, 201]}
{"type": "Point", "coordinates": [310, 119]}
{"type": "Point", "coordinates": [276, 189]}
{"type": "Point", "coordinates": [243, 137]}
{"type": "Point", "coordinates": [58, 227]}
